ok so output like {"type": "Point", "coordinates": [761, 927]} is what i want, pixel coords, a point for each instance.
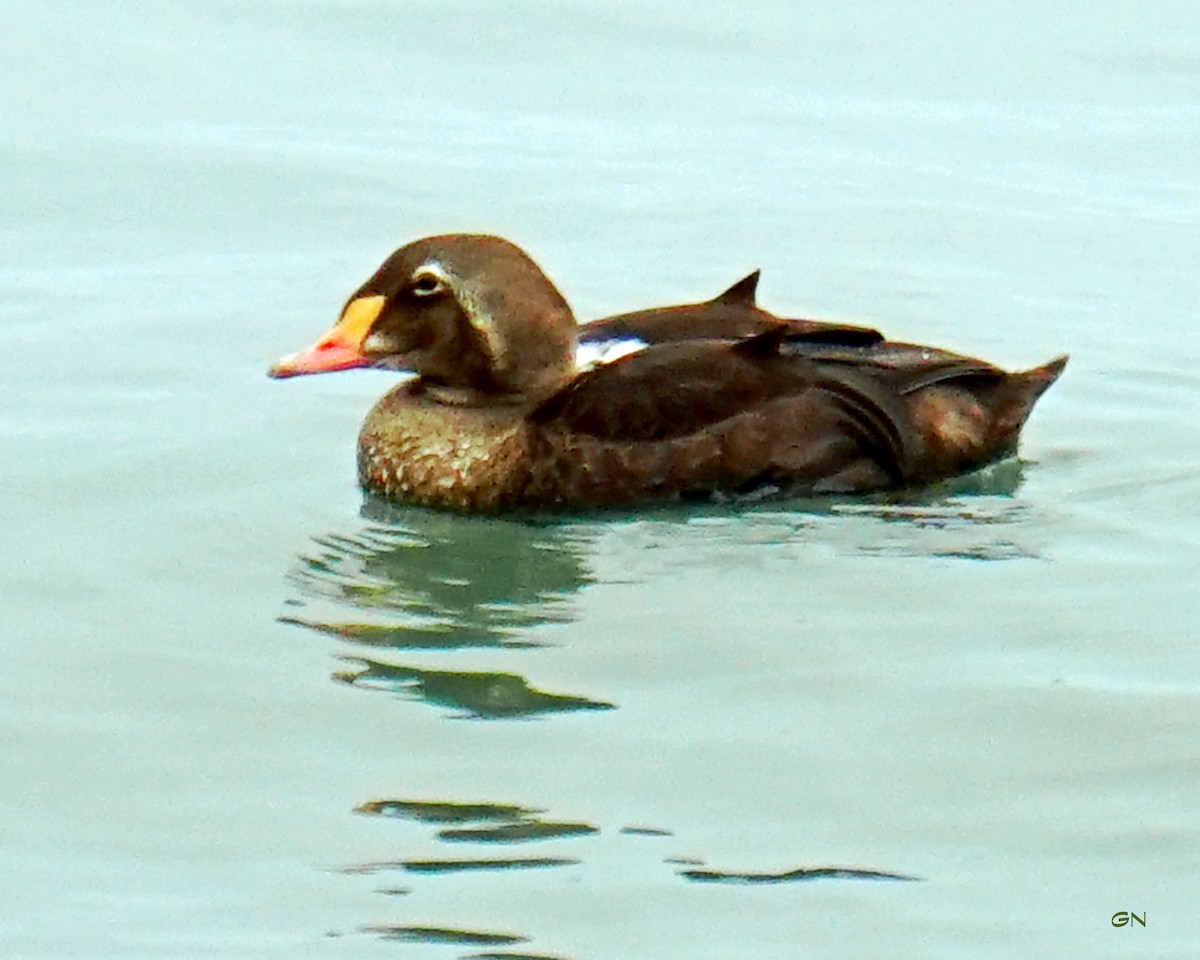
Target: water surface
{"type": "Point", "coordinates": [249, 714]}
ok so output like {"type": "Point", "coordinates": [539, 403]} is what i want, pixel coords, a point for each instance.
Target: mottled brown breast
{"type": "Point", "coordinates": [465, 457]}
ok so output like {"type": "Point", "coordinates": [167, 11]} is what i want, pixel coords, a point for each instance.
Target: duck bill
{"type": "Point", "coordinates": [339, 349]}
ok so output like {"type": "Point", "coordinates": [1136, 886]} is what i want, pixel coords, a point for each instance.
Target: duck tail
{"type": "Point", "coordinates": [1047, 373]}
{"type": "Point", "coordinates": [1025, 389]}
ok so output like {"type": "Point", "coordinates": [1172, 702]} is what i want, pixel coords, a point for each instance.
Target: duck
{"type": "Point", "coordinates": [714, 399]}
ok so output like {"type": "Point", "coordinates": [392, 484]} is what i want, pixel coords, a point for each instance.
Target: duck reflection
{"type": "Point", "coordinates": [798, 875]}
{"type": "Point", "coordinates": [443, 935]}
{"type": "Point", "coordinates": [411, 592]}
{"type": "Point", "coordinates": [479, 695]}
{"type": "Point", "coordinates": [415, 580]}
{"type": "Point", "coordinates": [437, 581]}
{"type": "Point", "coordinates": [476, 823]}
{"type": "Point", "coordinates": [976, 517]}
{"type": "Point", "coordinates": [474, 828]}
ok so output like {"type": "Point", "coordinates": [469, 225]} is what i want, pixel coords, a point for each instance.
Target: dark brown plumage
{"type": "Point", "coordinates": [730, 315]}
{"type": "Point", "coordinates": [724, 397]}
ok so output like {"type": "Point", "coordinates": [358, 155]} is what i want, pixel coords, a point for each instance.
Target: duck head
{"type": "Point", "coordinates": [465, 312]}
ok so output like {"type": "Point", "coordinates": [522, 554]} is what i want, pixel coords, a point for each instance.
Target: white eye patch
{"type": "Point", "coordinates": [428, 279]}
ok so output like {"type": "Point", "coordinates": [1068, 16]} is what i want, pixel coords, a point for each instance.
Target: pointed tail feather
{"type": "Point", "coordinates": [1027, 387]}
{"type": "Point", "coordinates": [1046, 374]}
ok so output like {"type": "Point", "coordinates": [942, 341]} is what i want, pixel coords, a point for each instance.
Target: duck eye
{"type": "Point", "coordinates": [428, 280]}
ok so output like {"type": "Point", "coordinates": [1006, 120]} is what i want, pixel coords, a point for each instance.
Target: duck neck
{"type": "Point", "coordinates": [458, 396]}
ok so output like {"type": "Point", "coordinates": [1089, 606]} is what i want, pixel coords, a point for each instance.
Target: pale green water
{"type": "Point", "coordinates": [239, 707]}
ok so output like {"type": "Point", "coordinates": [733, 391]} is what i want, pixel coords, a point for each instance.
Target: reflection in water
{"type": "Point", "coordinates": [490, 696]}
{"type": "Point", "coordinates": [465, 866]}
{"type": "Point", "coordinates": [478, 822]}
{"type": "Point", "coordinates": [955, 530]}
{"type": "Point", "coordinates": [969, 518]}
{"type": "Point", "coordinates": [489, 823]}
{"type": "Point", "coordinates": [461, 865]}
{"type": "Point", "coordinates": [432, 581]}
{"type": "Point", "coordinates": [425, 812]}
{"type": "Point", "coordinates": [518, 832]}
{"type": "Point", "coordinates": [416, 580]}
{"type": "Point", "coordinates": [436, 581]}
{"type": "Point", "coordinates": [792, 876]}
{"type": "Point", "coordinates": [511, 956]}
{"type": "Point", "coordinates": [422, 637]}
{"type": "Point", "coordinates": [975, 517]}
{"type": "Point", "coordinates": [473, 938]}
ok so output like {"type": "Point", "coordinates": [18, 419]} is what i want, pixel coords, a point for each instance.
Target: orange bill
{"type": "Point", "coordinates": [339, 349]}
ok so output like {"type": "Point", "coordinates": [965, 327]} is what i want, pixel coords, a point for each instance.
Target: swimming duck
{"type": "Point", "coordinates": [500, 416]}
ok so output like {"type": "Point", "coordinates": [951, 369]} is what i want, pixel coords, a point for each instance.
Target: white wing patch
{"type": "Point", "coordinates": [595, 353]}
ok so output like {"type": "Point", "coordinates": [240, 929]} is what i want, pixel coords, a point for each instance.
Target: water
{"type": "Point", "coordinates": [246, 715]}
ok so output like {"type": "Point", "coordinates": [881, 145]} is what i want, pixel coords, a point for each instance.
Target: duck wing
{"type": "Point", "coordinates": [731, 315]}
{"type": "Point", "coordinates": [905, 367]}
{"type": "Point", "coordinates": [678, 390]}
